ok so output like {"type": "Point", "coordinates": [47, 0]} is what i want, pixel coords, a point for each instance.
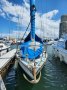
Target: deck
{"type": "Point", "coordinates": [5, 61]}
{"type": "Point", "coordinates": [7, 58]}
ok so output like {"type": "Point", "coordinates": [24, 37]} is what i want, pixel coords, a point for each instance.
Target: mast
{"type": "Point", "coordinates": [32, 15]}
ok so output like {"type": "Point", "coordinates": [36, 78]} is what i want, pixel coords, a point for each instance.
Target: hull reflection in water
{"type": "Point", "coordinates": [54, 76]}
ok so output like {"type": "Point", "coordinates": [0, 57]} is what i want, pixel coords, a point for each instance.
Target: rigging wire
{"type": "Point", "coordinates": [26, 30]}
{"type": "Point", "coordinates": [42, 25]}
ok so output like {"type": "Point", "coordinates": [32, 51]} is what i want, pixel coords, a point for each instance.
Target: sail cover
{"type": "Point", "coordinates": [36, 38]}
{"type": "Point", "coordinates": [32, 46]}
{"type": "Point", "coordinates": [31, 52]}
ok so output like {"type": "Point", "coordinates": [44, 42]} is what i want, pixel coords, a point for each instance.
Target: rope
{"type": "Point", "coordinates": [26, 29]}
{"type": "Point", "coordinates": [33, 81]}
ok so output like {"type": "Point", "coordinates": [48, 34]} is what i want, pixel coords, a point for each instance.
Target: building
{"type": "Point", "coordinates": [63, 26]}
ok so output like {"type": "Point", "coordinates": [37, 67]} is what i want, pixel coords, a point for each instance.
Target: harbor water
{"type": "Point", "coordinates": [54, 76]}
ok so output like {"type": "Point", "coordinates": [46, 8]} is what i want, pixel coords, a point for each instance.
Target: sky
{"type": "Point", "coordinates": [15, 16]}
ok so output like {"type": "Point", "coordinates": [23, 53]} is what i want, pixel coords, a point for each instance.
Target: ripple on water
{"type": "Point", "coordinates": [54, 76]}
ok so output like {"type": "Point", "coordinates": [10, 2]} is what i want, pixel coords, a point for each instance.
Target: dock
{"type": "Point", "coordinates": [5, 62]}
{"type": "Point", "coordinates": [2, 85]}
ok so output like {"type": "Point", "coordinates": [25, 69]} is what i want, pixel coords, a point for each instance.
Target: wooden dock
{"type": "Point", "coordinates": [5, 62]}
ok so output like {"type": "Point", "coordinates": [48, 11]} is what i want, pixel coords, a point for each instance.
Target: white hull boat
{"type": "Point", "coordinates": [60, 50]}
{"type": "Point", "coordinates": [32, 55]}
{"type": "Point", "coordinates": [3, 49]}
{"type": "Point", "coordinates": [28, 66]}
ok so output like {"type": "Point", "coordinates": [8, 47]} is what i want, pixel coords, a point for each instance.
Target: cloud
{"type": "Point", "coordinates": [50, 26]}
{"type": "Point", "coordinates": [2, 13]}
{"type": "Point", "coordinates": [21, 14]}
{"type": "Point", "coordinates": [50, 14]}
{"type": "Point", "coordinates": [47, 25]}
{"type": "Point", "coordinates": [15, 13]}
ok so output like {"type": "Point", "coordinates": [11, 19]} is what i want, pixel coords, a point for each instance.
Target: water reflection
{"type": "Point", "coordinates": [54, 76]}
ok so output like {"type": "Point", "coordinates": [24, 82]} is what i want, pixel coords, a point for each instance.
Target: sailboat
{"type": "Point", "coordinates": [33, 56]}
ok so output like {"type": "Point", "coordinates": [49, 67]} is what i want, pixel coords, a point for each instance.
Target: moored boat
{"type": "Point", "coordinates": [3, 48]}
{"type": "Point", "coordinates": [32, 54]}
{"type": "Point", "coordinates": [60, 47]}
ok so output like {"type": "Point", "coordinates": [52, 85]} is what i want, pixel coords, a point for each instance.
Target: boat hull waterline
{"type": "Point", "coordinates": [31, 70]}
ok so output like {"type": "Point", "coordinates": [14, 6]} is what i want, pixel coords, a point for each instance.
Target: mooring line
{"type": "Point", "coordinates": [33, 81]}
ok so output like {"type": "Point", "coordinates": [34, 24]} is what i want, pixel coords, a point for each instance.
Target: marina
{"type": "Point", "coordinates": [52, 76]}
{"type": "Point", "coordinates": [33, 45]}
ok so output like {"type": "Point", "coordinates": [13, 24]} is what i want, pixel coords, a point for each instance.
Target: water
{"type": "Point", "coordinates": [54, 76]}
